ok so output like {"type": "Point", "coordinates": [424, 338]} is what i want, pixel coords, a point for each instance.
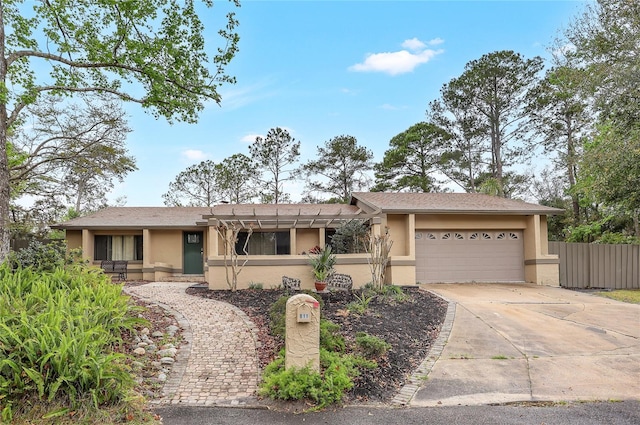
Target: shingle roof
{"type": "Point", "coordinates": [181, 217]}
{"type": "Point", "coordinates": [138, 217]}
{"type": "Point", "coordinates": [455, 203]}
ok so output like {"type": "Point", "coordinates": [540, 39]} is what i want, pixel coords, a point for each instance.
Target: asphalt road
{"type": "Point", "coordinates": [596, 413]}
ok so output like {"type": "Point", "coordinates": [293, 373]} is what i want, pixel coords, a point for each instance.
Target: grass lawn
{"type": "Point", "coordinates": [625, 295]}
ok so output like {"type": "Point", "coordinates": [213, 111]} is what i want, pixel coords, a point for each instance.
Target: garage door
{"type": "Point", "coordinates": [469, 256]}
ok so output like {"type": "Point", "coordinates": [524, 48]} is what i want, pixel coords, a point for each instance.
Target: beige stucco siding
{"type": "Point", "coordinates": [74, 239]}
{"type": "Point", "coordinates": [305, 240]}
{"type": "Point", "coordinates": [399, 274]}
{"type": "Point", "coordinates": [269, 269]}
{"type": "Point", "coordinates": [400, 232]}
{"type": "Point", "coordinates": [166, 247]}
{"type": "Point", "coordinates": [540, 266]}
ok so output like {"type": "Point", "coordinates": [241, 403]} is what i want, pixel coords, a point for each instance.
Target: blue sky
{"type": "Point", "coordinates": [321, 69]}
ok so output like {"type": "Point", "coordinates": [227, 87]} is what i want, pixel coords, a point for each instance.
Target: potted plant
{"type": "Point", "coordinates": [322, 262]}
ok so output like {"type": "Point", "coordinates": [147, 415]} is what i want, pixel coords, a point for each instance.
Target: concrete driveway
{"type": "Point", "coordinates": [521, 342]}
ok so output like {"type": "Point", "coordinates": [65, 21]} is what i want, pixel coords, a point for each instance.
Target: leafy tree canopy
{"type": "Point", "coordinates": [489, 99]}
{"type": "Point", "coordinates": [150, 52]}
{"type": "Point", "coordinates": [604, 43]}
{"type": "Point", "coordinates": [71, 151]}
{"type": "Point", "coordinates": [412, 160]}
{"type": "Point", "coordinates": [194, 187]}
{"type": "Point", "coordinates": [276, 156]}
{"type": "Point", "coordinates": [343, 165]}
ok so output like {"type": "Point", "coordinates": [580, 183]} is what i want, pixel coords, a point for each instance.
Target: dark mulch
{"type": "Point", "coordinates": [410, 327]}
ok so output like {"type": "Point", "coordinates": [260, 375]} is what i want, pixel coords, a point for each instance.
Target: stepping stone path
{"type": "Point", "coordinates": [218, 365]}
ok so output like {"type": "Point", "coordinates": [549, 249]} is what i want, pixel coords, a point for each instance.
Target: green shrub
{"type": "Point", "coordinates": [330, 339]}
{"type": "Point", "coordinates": [371, 346]}
{"type": "Point", "coordinates": [254, 285]}
{"type": "Point", "coordinates": [617, 238]}
{"type": "Point", "coordinates": [57, 333]}
{"type": "Point", "coordinates": [39, 256]}
{"type": "Point", "coordinates": [329, 386]}
{"type": "Point", "coordinates": [351, 237]}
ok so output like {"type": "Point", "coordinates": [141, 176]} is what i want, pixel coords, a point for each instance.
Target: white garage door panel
{"type": "Point", "coordinates": [469, 256]}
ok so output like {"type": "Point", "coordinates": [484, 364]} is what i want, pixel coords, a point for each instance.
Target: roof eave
{"type": "Point", "coordinates": [469, 212]}
{"type": "Point", "coordinates": [127, 227]}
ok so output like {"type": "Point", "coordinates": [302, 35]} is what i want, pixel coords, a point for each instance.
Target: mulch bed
{"type": "Point", "coordinates": [410, 327]}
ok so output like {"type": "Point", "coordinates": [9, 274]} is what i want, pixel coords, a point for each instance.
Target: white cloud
{"type": "Point", "coordinates": [436, 41]}
{"type": "Point", "coordinates": [413, 44]}
{"type": "Point", "coordinates": [400, 62]}
{"type": "Point", "coordinates": [250, 138]}
{"type": "Point", "coordinates": [194, 155]}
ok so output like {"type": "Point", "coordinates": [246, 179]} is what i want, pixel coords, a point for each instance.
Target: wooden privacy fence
{"type": "Point", "coordinates": [584, 265]}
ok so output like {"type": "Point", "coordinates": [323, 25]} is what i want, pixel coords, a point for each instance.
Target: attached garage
{"type": "Point", "coordinates": [469, 256]}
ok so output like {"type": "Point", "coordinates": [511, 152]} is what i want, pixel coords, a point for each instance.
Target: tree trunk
{"type": "Point", "coordinates": [4, 165]}
{"type": "Point", "coordinates": [571, 171]}
{"type": "Point", "coordinates": [496, 144]}
{"type": "Point", "coordinates": [79, 195]}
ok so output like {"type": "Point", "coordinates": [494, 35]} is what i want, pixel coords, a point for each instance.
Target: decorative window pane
{"type": "Point", "coordinates": [446, 236]}
{"type": "Point", "coordinates": [418, 235]}
{"type": "Point", "coordinates": [501, 236]}
{"type": "Point", "coordinates": [486, 236]}
{"type": "Point", "coordinates": [474, 236]}
{"type": "Point", "coordinates": [458, 236]}
{"type": "Point", "coordinates": [513, 236]}
{"type": "Point", "coordinates": [431, 236]}
{"type": "Point", "coordinates": [193, 238]}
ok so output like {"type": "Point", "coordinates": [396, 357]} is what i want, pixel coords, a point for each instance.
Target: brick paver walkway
{"type": "Point", "coordinates": [219, 363]}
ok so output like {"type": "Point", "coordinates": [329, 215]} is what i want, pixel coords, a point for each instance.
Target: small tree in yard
{"type": "Point", "coordinates": [379, 249]}
{"type": "Point", "coordinates": [232, 265]}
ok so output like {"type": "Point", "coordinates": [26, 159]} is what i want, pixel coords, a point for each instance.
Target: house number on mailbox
{"type": "Point", "coordinates": [304, 314]}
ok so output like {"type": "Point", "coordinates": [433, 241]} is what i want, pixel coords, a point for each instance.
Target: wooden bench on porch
{"type": "Point", "coordinates": [117, 268]}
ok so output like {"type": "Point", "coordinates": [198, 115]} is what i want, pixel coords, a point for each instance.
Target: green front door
{"type": "Point", "coordinates": [193, 253]}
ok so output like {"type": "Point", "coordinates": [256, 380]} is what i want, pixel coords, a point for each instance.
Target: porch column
{"type": "Point", "coordinates": [212, 239]}
{"type": "Point", "coordinates": [539, 266]}
{"type": "Point", "coordinates": [87, 245]}
{"type": "Point", "coordinates": [411, 238]}
{"type": "Point", "coordinates": [293, 241]}
{"type": "Point", "coordinates": [148, 272]}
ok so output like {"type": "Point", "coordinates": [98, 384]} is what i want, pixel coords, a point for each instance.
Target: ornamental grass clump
{"type": "Point", "coordinates": [58, 332]}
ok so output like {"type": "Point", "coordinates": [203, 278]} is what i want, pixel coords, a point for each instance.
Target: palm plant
{"type": "Point", "coordinates": [322, 263]}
